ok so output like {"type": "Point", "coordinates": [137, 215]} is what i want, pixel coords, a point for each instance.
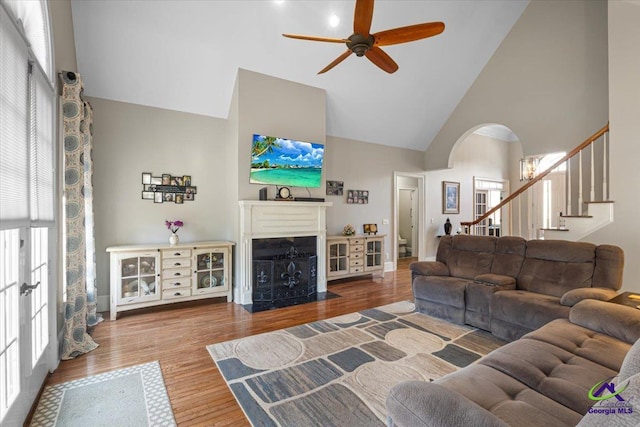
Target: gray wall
{"type": "Point", "coordinates": [547, 82]}
{"type": "Point", "coordinates": [475, 156]}
{"type": "Point", "coordinates": [624, 102]}
{"type": "Point", "coordinates": [364, 166]}
{"type": "Point", "coordinates": [130, 139]}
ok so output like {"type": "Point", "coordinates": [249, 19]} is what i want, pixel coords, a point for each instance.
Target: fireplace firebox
{"type": "Point", "coordinates": [285, 270]}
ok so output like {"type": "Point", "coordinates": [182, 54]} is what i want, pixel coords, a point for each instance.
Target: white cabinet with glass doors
{"type": "Point", "coordinates": [149, 275]}
{"type": "Point", "coordinates": [350, 256]}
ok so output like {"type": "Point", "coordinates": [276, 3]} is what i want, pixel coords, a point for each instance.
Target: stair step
{"type": "Point", "coordinates": [554, 229]}
{"type": "Point", "coordinates": [601, 201]}
{"type": "Point", "coordinates": [577, 216]}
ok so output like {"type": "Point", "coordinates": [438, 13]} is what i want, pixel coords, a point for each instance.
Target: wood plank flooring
{"type": "Point", "coordinates": [176, 336]}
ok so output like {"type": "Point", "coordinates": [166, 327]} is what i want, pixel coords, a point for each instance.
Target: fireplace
{"type": "Point", "coordinates": [285, 270]}
{"type": "Point", "coordinates": [269, 230]}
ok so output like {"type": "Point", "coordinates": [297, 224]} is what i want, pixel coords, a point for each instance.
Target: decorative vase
{"type": "Point", "coordinates": [447, 227]}
{"type": "Point", "coordinates": [174, 239]}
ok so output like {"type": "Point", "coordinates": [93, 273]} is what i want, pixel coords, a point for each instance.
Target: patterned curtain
{"type": "Point", "coordinates": [80, 285]}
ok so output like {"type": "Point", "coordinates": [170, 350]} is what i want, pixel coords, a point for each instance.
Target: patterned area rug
{"type": "Point", "coordinates": [338, 372]}
{"type": "Point", "coordinates": [134, 396]}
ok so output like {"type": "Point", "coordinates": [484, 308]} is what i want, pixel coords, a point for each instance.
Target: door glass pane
{"type": "Point", "coordinates": [9, 319]}
{"type": "Point", "coordinates": [39, 296]}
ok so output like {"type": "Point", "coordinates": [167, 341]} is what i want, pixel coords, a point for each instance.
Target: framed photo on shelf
{"type": "Point", "coordinates": [450, 197]}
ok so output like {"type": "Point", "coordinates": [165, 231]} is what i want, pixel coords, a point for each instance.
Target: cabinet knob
{"type": "Point", "coordinates": [177, 274]}
{"type": "Point", "coordinates": [177, 254]}
{"type": "Point", "coordinates": [177, 264]}
{"type": "Point", "coordinates": [177, 284]}
{"type": "Point", "coordinates": [177, 294]}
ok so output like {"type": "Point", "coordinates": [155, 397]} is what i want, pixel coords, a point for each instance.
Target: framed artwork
{"type": "Point", "coordinates": [370, 228]}
{"type": "Point", "coordinates": [168, 188]}
{"type": "Point", "coordinates": [335, 188]}
{"type": "Point", "coordinates": [450, 197]}
{"type": "Point", "coordinates": [360, 197]}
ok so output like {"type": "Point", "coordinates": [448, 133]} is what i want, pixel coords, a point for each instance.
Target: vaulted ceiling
{"type": "Point", "coordinates": [183, 55]}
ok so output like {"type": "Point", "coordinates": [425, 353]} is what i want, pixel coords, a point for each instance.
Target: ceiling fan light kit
{"type": "Point", "coordinates": [363, 43]}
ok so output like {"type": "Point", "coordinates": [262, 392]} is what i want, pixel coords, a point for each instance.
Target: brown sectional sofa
{"type": "Point", "coordinates": [542, 379]}
{"type": "Point", "coordinates": [511, 286]}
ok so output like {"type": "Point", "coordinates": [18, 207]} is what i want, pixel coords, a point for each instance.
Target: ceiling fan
{"type": "Point", "coordinates": [363, 43]}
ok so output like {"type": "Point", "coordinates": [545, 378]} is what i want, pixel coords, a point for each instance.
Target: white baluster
{"type": "Point", "coordinates": [520, 215]}
{"type": "Point", "coordinates": [592, 193]}
{"type": "Point", "coordinates": [605, 189]}
{"type": "Point", "coordinates": [580, 200]}
{"type": "Point", "coordinates": [569, 201]}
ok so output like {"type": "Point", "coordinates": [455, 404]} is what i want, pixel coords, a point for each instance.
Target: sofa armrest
{"type": "Point", "coordinates": [429, 268]}
{"type": "Point", "coordinates": [496, 280]}
{"type": "Point", "coordinates": [574, 296]}
{"type": "Point", "coordinates": [616, 320]}
{"type": "Point", "coordinates": [419, 403]}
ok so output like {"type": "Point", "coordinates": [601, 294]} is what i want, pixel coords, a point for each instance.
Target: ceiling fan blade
{"type": "Point", "coordinates": [381, 59]}
{"type": "Point", "coordinates": [335, 62]}
{"type": "Point", "coordinates": [362, 17]}
{"type": "Point", "coordinates": [408, 34]}
{"type": "Point", "coordinates": [316, 39]}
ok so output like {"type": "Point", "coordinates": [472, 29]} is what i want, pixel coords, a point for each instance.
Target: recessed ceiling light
{"type": "Point", "coordinates": [334, 20]}
{"type": "Point", "coordinates": [278, 1]}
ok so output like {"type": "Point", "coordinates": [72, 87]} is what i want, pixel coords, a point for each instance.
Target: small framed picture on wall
{"type": "Point", "coordinates": [450, 197]}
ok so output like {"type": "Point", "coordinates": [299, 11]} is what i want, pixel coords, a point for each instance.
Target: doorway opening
{"type": "Point", "coordinates": [408, 222]}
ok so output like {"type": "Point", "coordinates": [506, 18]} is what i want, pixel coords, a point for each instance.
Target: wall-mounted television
{"type": "Point", "coordinates": [286, 162]}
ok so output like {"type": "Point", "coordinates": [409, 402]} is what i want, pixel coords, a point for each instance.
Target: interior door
{"type": "Point", "coordinates": [24, 320]}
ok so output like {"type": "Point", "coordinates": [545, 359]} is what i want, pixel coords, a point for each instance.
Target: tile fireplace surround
{"type": "Point", "coordinates": [269, 219]}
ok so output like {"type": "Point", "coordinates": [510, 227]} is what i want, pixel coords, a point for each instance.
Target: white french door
{"type": "Point", "coordinates": [24, 319]}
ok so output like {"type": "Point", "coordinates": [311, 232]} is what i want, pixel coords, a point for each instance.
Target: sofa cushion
{"type": "Point", "coordinates": [429, 268]}
{"type": "Point", "coordinates": [550, 370]}
{"type": "Point", "coordinates": [609, 267]}
{"type": "Point", "coordinates": [553, 267]}
{"type": "Point", "coordinates": [509, 255]}
{"type": "Point", "coordinates": [419, 403]}
{"type": "Point", "coordinates": [527, 309]}
{"type": "Point", "coordinates": [574, 296]}
{"type": "Point", "coordinates": [443, 249]}
{"type": "Point", "coordinates": [600, 348]}
{"type": "Point", "coordinates": [631, 363]}
{"type": "Point", "coordinates": [507, 398]}
{"type": "Point", "coordinates": [471, 255]}
{"type": "Point", "coordinates": [617, 320]}
{"type": "Point", "coordinates": [441, 289]}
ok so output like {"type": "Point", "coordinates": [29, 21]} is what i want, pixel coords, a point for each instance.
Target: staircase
{"type": "Point", "coordinates": [585, 165]}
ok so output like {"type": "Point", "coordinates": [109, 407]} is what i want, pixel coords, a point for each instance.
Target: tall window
{"type": "Point", "coordinates": [27, 193]}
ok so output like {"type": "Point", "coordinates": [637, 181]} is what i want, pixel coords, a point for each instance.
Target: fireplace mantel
{"type": "Point", "coordinates": [261, 219]}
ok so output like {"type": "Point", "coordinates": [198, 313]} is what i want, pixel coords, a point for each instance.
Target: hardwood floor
{"type": "Point", "coordinates": [176, 336]}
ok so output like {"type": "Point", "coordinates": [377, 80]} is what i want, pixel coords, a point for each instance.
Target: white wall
{"type": "Point", "coordinates": [624, 111]}
{"type": "Point", "coordinates": [476, 156]}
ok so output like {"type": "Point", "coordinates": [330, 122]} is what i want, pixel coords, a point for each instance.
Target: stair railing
{"type": "Point", "coordinates": [604, 131]}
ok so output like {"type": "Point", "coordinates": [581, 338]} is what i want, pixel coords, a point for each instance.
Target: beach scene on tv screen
{"type": "Point", "coordinates": [281, 161]}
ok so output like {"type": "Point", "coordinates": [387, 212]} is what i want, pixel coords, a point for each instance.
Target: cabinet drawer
{"type": "Point", "coordinates": [358, 269]}
{"type": "Point", "coordinates": [356, 248]}
{"type": "Point", "coordinates": [175, 293]}
{"type": "Point", "coordinates": [174, 273]}
{"type": "Point", "coordinates": [169, 284]}
{"type": "Point", "coordinates": [356, 262]}
{"type": "Point", "coordinates": [176, 262]}
{"type": "Point", "coordinates": [356, 255]}
{"type": "Point", "coordinates": [356, 241]}
{"type": "Point", "coordinates": [176, 253]}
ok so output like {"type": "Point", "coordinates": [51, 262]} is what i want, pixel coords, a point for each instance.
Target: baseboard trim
{"type": "Point", "coordinates": [388, 266]}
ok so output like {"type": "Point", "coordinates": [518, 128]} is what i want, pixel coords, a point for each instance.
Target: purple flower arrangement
{"type": "Point", "coordinates": [174, 226]}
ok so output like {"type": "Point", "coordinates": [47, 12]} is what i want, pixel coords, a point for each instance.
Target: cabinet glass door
{"type": "Point", "coordinates": [374, 253]}
{"type": "Point", "coordinates": [138, 278]}
{"type": "Point", "coordinates": [210, 270]}
{"type": "Point", "coordinates": [338, 257]}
